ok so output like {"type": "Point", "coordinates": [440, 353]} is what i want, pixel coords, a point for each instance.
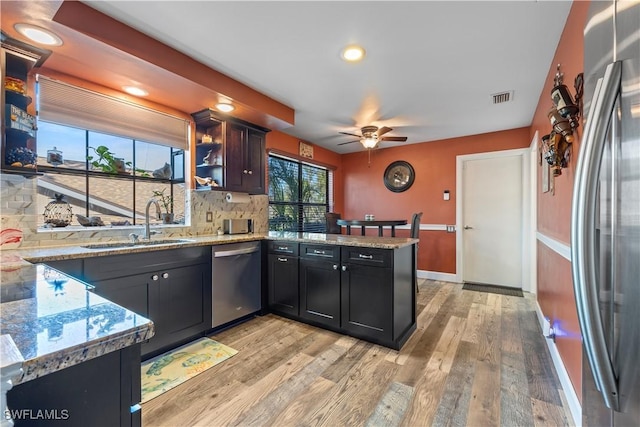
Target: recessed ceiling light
{"type": "Point", "coordinates": [135, 91]}
{"type": "Point", "coordinates": [38, 34]}
{"type": "Point", "coordinates": [353, 53]}
{"type": "Point", "coordinates": [225, 107]}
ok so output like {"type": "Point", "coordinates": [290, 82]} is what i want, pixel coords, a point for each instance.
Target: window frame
{"type": "Point", "coordinates": [298, 204]}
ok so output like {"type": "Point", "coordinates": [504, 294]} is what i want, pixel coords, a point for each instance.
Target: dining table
{"type": "Point", "coordinates": [380, 223]}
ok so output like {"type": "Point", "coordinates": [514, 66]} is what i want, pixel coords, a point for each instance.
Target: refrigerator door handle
{"type": "Point", "coordinates": [583, 215]}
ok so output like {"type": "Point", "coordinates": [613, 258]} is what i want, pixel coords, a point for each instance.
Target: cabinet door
{"type": "Point", "coordinates": [283, 284]}
{"type": "Point", "coordinates": [367, 301]}
{"type": "Point", "coordinates": [320, 291]}
{"type": "Point", "coordinates": [255, 161]}
{"type": "Point", "coordinates": [184, 302]}
{"type": "Point", "coordinates": [236, 163]}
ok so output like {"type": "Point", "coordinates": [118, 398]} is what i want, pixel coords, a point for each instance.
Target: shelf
{"type": "Point", "coordinates": [13, 97]}
{"type": "Point", "coordinates": [27, 172]}
{"type": "Point", "coordinates": [204, 165]}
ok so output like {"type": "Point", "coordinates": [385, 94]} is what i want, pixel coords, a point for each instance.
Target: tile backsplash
{"type": "Point", "coordinates": [19, 214]}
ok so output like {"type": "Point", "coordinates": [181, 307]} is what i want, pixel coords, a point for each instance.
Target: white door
{"type": "Point", "coordinates": [492, 220]}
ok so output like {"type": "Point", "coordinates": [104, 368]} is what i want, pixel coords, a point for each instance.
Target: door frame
{"type": "Point", "coordinates": [524, 154]}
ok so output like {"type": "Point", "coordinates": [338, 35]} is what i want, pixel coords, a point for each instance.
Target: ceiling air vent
{"type": "Point", "coordinates": [499, 98]}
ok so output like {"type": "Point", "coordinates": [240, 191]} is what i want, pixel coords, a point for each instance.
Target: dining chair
{"type": "Point", "coordinates": [415, 234]}
{"type": "Point", "coordinates": [331, 224]}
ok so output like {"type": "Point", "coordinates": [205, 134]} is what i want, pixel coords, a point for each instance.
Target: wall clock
{"type": "Point", "coordinates": [399, 176]}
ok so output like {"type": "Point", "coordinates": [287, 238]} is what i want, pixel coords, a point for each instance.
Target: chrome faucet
{"type": "Point", "coordinates": [147, 230]}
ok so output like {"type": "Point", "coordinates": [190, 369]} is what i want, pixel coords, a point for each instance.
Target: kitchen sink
{"type": "Point", "coordinates": [115, 245]}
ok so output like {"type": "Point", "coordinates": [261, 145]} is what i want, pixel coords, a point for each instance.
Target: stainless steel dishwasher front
{"type": "Point", "coordinates": [236, 288]}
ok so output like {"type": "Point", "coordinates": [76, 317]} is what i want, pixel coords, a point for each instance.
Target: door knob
{"type": "Point", "coordinates": [466, 227]}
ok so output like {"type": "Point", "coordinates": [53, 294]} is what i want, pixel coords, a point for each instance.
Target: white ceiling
{"type": "Point", "coordinates": [430, 70]}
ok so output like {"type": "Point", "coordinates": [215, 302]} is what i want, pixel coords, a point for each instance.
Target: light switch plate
{"type": "Point", "coordinates": [451, 228]}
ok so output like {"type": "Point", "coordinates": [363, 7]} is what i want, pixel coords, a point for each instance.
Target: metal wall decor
{"type": "Point", "coordinates": [564, 116]}
{"type": "Point", "coordinates": [399, 176]}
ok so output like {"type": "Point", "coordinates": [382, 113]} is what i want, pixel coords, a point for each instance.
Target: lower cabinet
{"type": "Point", "coordinates": [172, 288]}
{"type": "Point", "coordinates": [282, 278]}
{"type": "Point", "coordinates": [104, 391]}
{"type": "Point", "coordinates": [367, 293]}
{"type": "Point", "coordinates": [320, 284]}
{"type": "Point", "coordinates": [364, 292]}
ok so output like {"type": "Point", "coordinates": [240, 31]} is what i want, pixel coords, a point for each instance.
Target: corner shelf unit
{"type": "Point", "coordinates": [19, 146]}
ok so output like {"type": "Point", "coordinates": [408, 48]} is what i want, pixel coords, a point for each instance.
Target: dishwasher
{"type": "Point", "coordinates": [236, 281]}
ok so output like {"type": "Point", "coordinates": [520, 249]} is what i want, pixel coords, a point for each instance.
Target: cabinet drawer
{"type": "Point", "coordinates": [284, 248]}
{"type": "Point", "coordinates": [367, 256]}
{"type": "Point", "coordinates": [324, 252]}
{"type": "Point", "coordinates": [108, 267]}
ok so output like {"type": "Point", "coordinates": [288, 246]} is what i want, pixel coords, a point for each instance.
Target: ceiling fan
{"type": "Point", "coordinates": [372, 135]}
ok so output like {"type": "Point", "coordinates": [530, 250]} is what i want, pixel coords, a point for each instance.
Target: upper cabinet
{"type": "Point", "coordinates": [229, 154]}
{"type": "Point", "coordinates": [19, 150]}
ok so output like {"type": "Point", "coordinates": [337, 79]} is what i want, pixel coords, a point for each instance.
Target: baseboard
{"type": "Point", "coordinates": [435, 275]}
{"type": "Point", "coordinates": [572, 398]}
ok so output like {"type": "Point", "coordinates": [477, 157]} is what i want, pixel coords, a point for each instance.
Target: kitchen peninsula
{"type": "Point", "coordinates": [357, 285]}
{"type": "Point", "coordinates": [81, 352]}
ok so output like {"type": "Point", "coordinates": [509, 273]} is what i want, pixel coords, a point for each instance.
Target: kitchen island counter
{"type": "Point", "coordinates": [56, 321]}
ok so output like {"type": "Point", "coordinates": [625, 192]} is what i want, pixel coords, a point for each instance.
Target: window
{"type": "Point", "coordinates": [91, 190]}
{"type": "Point", "coordinates": [299, 195]}
{"type": "Point", "coordinates": [115, 154]}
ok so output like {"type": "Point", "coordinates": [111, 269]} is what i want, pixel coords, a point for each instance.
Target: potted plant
{"type": "Point", "coordinates": [106, 161]}
{"type": "Point", "coordinates": [167, 204]}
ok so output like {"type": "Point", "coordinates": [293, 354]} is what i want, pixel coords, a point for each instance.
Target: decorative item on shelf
{"type": "Point", "coordinates": [21, 120]}
{"type": "Point", "coordinates": [21, 157]}
{"type": "Point", "coordinates": [163, 172]}
{"type": "Point", "coordinates": [107, 161]}
{"type": "Point", "coordinates": [15, 85]}
{"type": "Point", "coordinates": [54, 157]}
{"type": "Point", "coordinates": [166, 201]}
{"type": "Point", "coordinates": [207, 139]}
{"type": "Point", "coordinates": [207, 181]}
{"type": "Point", "coordinates": [91, 221]}
{"type": "Point", "coordinates": [58, 212]}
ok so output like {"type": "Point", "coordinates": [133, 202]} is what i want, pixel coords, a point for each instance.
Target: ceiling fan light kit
{"type": "Point", "coordinates": [372, 135]}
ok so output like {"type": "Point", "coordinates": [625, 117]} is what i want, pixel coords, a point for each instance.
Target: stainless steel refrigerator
{"type": "Point", "coordinates": [605, 228]}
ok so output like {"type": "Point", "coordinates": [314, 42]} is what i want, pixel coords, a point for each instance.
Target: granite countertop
{"type": "Point", "coordinates": [56, 321]}
{"type": "Point", "coordinates": [57, 253]}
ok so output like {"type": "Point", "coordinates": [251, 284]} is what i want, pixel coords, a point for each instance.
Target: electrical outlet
{"type": "Point", "coordinates": [209, 216]}
{"type": "Point", "coordinates": [451, 228]}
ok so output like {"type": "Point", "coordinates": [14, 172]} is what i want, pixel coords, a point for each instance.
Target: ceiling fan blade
{"type": "Point", "coordinates": [349, 142]}
{"type": "Point", "coordinates": [383, 130]}
{"type": "Point", "coordinates": [394, 138]}
{"type": "Point", "coordinates": [351, 134]}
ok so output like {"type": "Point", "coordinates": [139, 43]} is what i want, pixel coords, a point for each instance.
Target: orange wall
{"type": "Point", "coordinates": [435, 166]}
{"type": "Point", "coordinates": [555, 286]}
{"type": "Point", "coordinates": [283, 142]}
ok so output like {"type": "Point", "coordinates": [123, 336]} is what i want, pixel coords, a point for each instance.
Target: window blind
{"type": "Point", "coordinates": [65, 104]}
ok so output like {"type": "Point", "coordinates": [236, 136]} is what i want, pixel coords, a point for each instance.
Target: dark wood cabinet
{"type": "Point", "coordinates": [172, 288]}
{"type": "Point", "coordinates": [320, 284]}
{"type": "Point", "coordinates": [230, 153]}
{"type": "Point", "coordinates": [104, 391]}
{"type": "Point", "coordinates": [367, 293]}
{"type": "Point", "coordinates": [282, 282]}
{"type": "Point", "coordinates": [364, 292]}
{"type": "Point", "coordinates": [245, 159]}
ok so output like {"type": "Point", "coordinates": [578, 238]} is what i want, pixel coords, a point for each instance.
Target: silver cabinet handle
{"type": "Point", "coordinates": [365, 256]}
{"type": "Point", "coordinates": [344, 268]}
{"type": "Point", "coordinates": [154, 277]}
{"type": "Point", "coordinates": [282, 259]}
{"type": "Point", "coordinates": [583, 240]}
{"type": "Point", "coordinates": [165, 275]}
{"type": "Point", "coordinates": [283, 248]}
{"type": "Point", "coordinates": [315, 251]}
{"type": "Point", "coordinates": [468, 227]}
{"type": "Point", "coordinates": [250, 172]}
{"type": "Point", "coordinates": [335, 266]}
{"type": "Point", "coordinates": [244, 171]}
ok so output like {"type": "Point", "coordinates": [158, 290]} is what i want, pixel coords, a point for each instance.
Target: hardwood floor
{"type": "Point", "coordinates": [476, 359]}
